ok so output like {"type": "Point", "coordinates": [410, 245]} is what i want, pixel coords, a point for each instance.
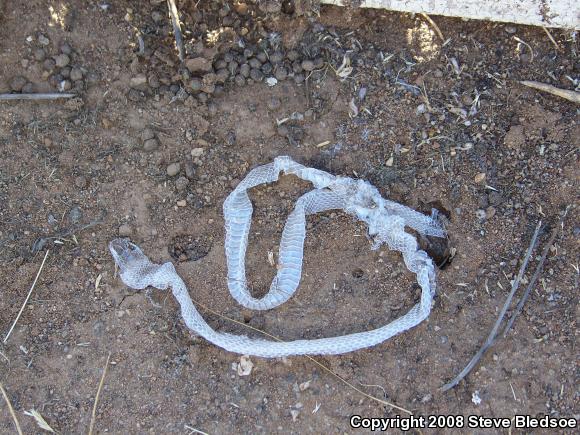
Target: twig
{"type": "Point", "coordinates": [537, 273]}
{"type": "Point", "coordinates": [194, 430]}
{"type": "Point", "coordinates": [434, 25]}
{"type": "Point", "coordinates": [27, 297]}
{"type": "Point", "coordinates": [12, 413]}
{"type": "Point", "coordinates": [562, 93]}
{"type": "Point", "coordinates": [94, 413]}
{"type": "Point", "coordinates": [551, 38]}
{"type": "Point", "coordinates": [492, 335]}
{"type": "Point", "coordinates": [176, 28]}
{"type": "Point", "coordinates": [341, 379]}
{"type": "Point", "coordinates": [38, 97]}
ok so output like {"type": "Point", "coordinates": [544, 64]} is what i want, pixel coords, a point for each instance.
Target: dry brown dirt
{"type": "Point", "coordinates": [74, 174]}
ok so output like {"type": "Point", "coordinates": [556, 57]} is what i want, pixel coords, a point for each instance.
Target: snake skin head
{"type": "Point", "coordinates": [125, 253]}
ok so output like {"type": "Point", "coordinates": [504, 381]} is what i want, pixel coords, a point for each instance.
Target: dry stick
{"type": "Point", "coordinates": [537, 273]}
{"type": "Point", "coordinates": [27, 297]}
{"type": "Point", "coordinates": [176, 28]}
{"type": "Point", "coordinates": [551, 38]}
{"type": "Point", "coordinates": [434, 25]}
{"type": "Point", "coordinates": [94, 413]}
{"type": "Point", "coordinates": [12, 413]}
{"type": "Point", "coordinates": [11, 97]}
{"type": "Point", "coordinates": [562, 93]}
{"type": "Point", "coordinates": [376, 399]}
{"type": "Point", "coordinates": [492, 335]}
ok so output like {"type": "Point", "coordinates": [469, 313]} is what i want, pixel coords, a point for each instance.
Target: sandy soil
{"type": "Point", "coordinates": [445, 125]}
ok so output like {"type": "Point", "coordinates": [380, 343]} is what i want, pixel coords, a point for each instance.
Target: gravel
{"type": "Point", "coordinates": [17, 83]}
{"type": "Point", "coordinates": [173, 169]}
{"type": "Point", "coordinates": [61, 60]}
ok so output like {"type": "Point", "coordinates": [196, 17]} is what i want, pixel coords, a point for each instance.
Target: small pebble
{"type": "Point", "coordinates": [62, 60]}
{"type": "Point", "coordinates": [65, 48]}
{"type": "Point", "coordinates": [76, 74]}
{"type": "Point", "coordinates": [189, 169]}
{"type": "Point", "coordinates": [181, 183]}
{"type": "Point", "coordinates": [255, 63]}
{"type": "Point", "coordinates": [281, 73]}
{"type": "Point", "coordinates": [49, 65]}
{"type": "Point", "coordinates": [173, 169]}
{"type": "Point", "coordinates": [43, 40]}
{"type": "Point", "coordinates": [197, 152]}
{"type": "Point", "coordinates": [240, 80]}
{"type": "Point", "coordinates": [147, 134]}
{"type": "Point", "coordinates": [292, 55]}
{"type": "Point", "coordinates": [480, 178]}
{"type": "Point", "coordinates": [39, 54]}
{"type": "Point", "coordinates": [28, 88]}
{"type": "Point", "coordinates": [151, 144]}
{"type": "Point", "coordinates": [17, 83]}
{"type": "Point", "coordinates": [256, 75]}
{"type": "Point", "coordinates": [181, 203]}
{"type": "Point", "coordinates": [480, 214]}
{"type": "Point", "coordinates": [245, 70]}
{"type": "Point", "coordinates": [75, 214]}
{"type": "Point", "coordinates": [307, 65]}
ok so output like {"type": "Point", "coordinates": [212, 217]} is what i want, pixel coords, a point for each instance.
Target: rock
{"type": "Point", "coordinates": [17, 83]}
{"type": "Point", "coordinates": [198, 64]}
{"type": "Point", "coordinates": [76, 74]}
{"type": "Point", "coordinates": [49, 65]}
{"type": "Point", "coordinates": [65, 72]}
{"type": "Point", "coordinates": [181, 183]}
{"type": "Point", "coordinates": [490, 212]}
{"type": "Point", "coordinates": [173, 169]}
{"type": "Point", "coordinates": [276, 57]}
{"type": "Point", "coordinates": [43, 40]}
{"type": "Point", "coordinates": [181, 203]}
{"type": "Point", "coordinates": [480, 178]}
{"type": "Point", "coordinates": [125, 230]}
{"type": "Point", "coordinates": [255, 63]}
{"type": "Point", "coordinates": [197, 152]}
{"type": "Point", "coordinates": [293, 55]}
{"type": "Point", "coordinates": [147, 134]}
{"type": "Point", "coordinates": [189, 169]}
{"type": "Point", "coordinates": [28, 88]}
{"type": "Point", "coordinates": [62, 60]}
{"type": "Point", "coordinates": [281, 73]}
{"type": "Point", "coordinates": [480, 214]}
{"type": "Point", "coordinates": [75, 214]}
{"type": "Point", "coordinates": [65, 48]}
{"type": "Point", "coordinates": [511, 29]}
{"type": "Point", "coordinates": [256, 75]}
{"type": "Point", "coordinates": [240, 80]}
{"type": "Point", "coordinates": [151, 144]}
{"type": "Point", "coordinates": [307, 65]}
{"type": "Point", "coordinates": [139, 82]}
{"type": "Point", "coordinates": [39, 54]}
{"type": "Point", "coordinates": [195, 84]}
{"type": "Point", "coordinates": [267, 68]}
{"type": "Point", "coordinates": [245, 70]}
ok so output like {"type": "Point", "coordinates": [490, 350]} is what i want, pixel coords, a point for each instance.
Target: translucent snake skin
{"type": "Point", "coordinates": [386, 222]}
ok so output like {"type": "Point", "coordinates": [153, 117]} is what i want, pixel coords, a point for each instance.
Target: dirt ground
{"type": "Point", "coordinates": [431, 124]}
